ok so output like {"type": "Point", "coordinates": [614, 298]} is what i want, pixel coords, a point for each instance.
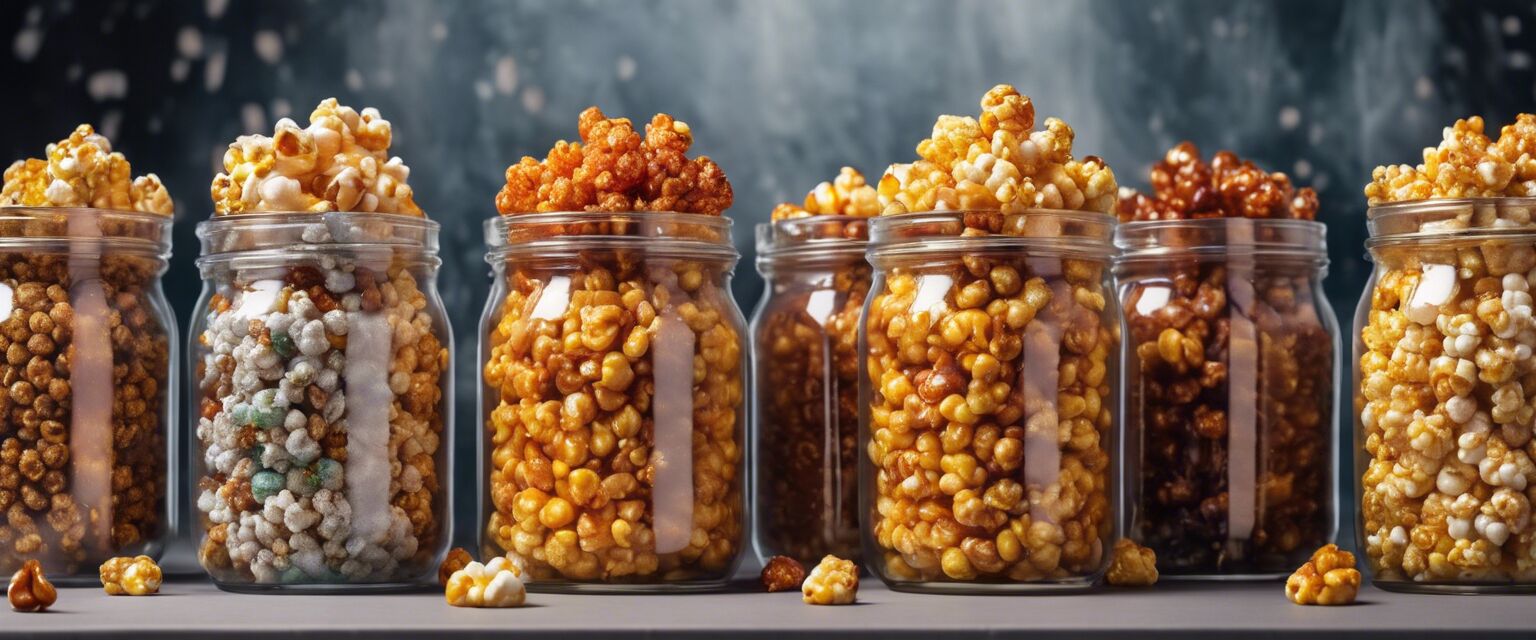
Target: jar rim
{"type": "Point", "coordinates": [73, 229]}
{"type": "Point", "coordinates": [702, 235]}
{"type": "Point", "coordinates": [815, 234]}
{"type": "Point", "coordinates": [223, 237]}
{"type": "Point", "coordinates": [1085, 233]}
{"type": "Point", "coordinates": [1265, 237]}
{"type": "Point", "coordinates": [1451, 218]}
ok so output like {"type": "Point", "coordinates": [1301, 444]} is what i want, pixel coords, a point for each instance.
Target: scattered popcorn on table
{"type": "Point", "coordinates": [457, 558]}
{"type": "Point", "coordinates": [138, 576]}
{"type": "Point", "coordinates": [833, 581]}
{"type": "Point", "coordinates": [496, 584]}
{"type": "Point", "coordinates": [782, 573]}
{"type": "Point", "coordinates": [1329, 578]}
{"type": "Point", "coordinates": [1132, 565]}
{"type": "Point", "coordinates": [30, 591]}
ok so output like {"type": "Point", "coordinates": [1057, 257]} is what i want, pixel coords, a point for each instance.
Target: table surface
{"type": "Point", "coordinates": [194, 608]}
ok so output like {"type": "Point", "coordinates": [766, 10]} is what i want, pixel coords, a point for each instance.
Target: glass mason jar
{"type": "Point", "coordinates": [323, 390]}
{"type": "Point", "coordinates": [1232, 358]}
{"type": "Point", "coordinates": [613, 401]}
{"type": "Point", "coordinates": [805, 404]}
{"type": "Point", "coordinates": [89, 390]}
{"type": "Point", "coordinates": [988, 417]}
{"type": "Point", "coordinates": [1446, 396]}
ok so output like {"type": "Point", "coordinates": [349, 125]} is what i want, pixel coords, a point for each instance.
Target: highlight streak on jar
{"type": "Point", "coordinates": [91, 382]}
{"type": "Point", "coordinates": [672, 496]}
{"type": "Point", "coordinates": [1039, 376]}
{"type": "Point", "coordinates": [1242, 402]}
{"type": "Point", "coordinates": [368, 403]}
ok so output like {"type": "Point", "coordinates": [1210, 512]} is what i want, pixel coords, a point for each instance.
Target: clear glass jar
{"type": "Point", "coordinates": [87, 406]}
{"type": "Point", "coordinates": [991, 348]}
{"type": "Point", "coordinates": [1232, 358]}
{"type": "Point", "coordinates": [323, 390]}
{"type": "Point", "coordinates": [805, 400]}
{"type": "Point", "coordinates": [613, 400]}
{"type": "Point", "coordinates": [1445, 396]}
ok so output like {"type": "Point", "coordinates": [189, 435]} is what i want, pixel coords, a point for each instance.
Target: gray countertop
{"type": "Point", "coordinates": [194, 608]}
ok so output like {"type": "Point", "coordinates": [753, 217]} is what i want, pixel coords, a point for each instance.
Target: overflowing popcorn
{"type": "Point", "coordinates": [322, 382]}
{"type": "Point", "coordinates": [1445, 384]}
{"type": "Point", "coordinates": [30, 591]}
{"type": "Point", "coordinates": [991, 404]}
{"type": "Point", "coordinates": [138, 576]}
{"type": "Point", "coordinates": [85, 368]}
{"type": "Point", "coordinates": [998, 161]}
{"type": "Point", "coordinates": [616, 380]}
{"type": "Point", "coordinates": [1229, 356]}
{"type": "Point", "coordinates": [495, 584]}
{"type": "Point", "coordinates": [340, 162]}
{"type": "Point", "coordinates": [1132, 565]}
{"type": "Point", "coordinates": [1328, 579]}
{"type": "Point", "coordinates": [83, 171]}
{"type": "Point", "coordinates": [782, 573]}
{"type": "Point", "coordinates": [614, 169]}
{"type": "Point", "coordinates": [833, 581]}
{"type": "Point", "coordinates": [808, 372]}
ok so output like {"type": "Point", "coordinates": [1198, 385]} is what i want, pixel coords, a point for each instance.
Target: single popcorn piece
{"type": "Point", "coordinates": [340, 162]}
{"type": "Point", "coordinates": [1466, 164]}
{"type": "Point", "coordinates": [30, 591]}
{"type": "Point", "coordinates": [998, 162]}
{"type": "Point", "coordinates": [1132, 565]}
{"type": "Point", "coordinates": [782, 573]}
{"type": "Point", "coordinates": [614, 168]}
{"type": "Point", "coordinates": [138, 576]}
{"type": "Point", "coordinates": [496, 584]}
{"type": "Point", "coordinates": [457, 559]}
{"type": "Point", "coordinates": [833, 581]}
{"type": "Point", "coordinates": [83, 171]}
{"type": "Point", "coordinates": [1329, 578]}
{"type": "Point", "coordinates": [849, 194]}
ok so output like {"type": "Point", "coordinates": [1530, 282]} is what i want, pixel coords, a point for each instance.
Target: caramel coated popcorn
{"type": "Point", "coordinates": [833, 581]}
{"type": "Point", "coordinates": [614, 168]}
{"type": "Point", "coordinates": [340, 162]}
{"type": "Point", "coordinates": [1194, 320]}
{"type": "Point", "coordinates": [846, 195]}
{"type": "Point", "coordinates": [782, 573]}
{"type": "Point", "coordinates": [83, 171]}
{"type": "Point", "coordinates": [30, 591]}
{"type": "Point", "coordinates": [457, 558]}
{"type": "Point", "coordinates": [998, 161]}
{"type": "Point", "coordinates": [495, 584]}
{"type": "Point", "coordinates": [1466, 164]}
{"type": "Point", "coordinates": [1132, 565]}
{"type": "Point", "coordinates": [1329, 578]}
{"type": "Point", "coordinates": [138, 576]}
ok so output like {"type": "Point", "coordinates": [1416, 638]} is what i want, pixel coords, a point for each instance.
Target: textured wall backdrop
{"type": "Point", "coordinates": [780, 93]}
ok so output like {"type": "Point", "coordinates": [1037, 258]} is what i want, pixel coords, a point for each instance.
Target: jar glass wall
{"type": "Point", "coordinates": [1444, 405]}
{"type": "Point", "coordinates": [613, 401]}
{"type": "Point", "coordinates": [322, 388]}
{"type": "Point", "coordinates": [87, 411]}
{"type": "Point", "coordinates": [989, 409]}
{"type": "Point", "coordinates": [1232, 359]}
{"type": "Point", "coordinates": [806, 379]}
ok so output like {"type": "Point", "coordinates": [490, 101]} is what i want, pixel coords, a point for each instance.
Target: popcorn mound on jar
{"type": "Point", "coordinates": [808, 370]}
{"type": "Point", "coordinates": [1232, 364]}
{"type": "Point", "coordinates": [614, 371]}
{"type": "Point", "coordinates": [321, 376]}
{"type": "Point", "coordinates": [1446, 376]}
{"type": "Point", "coordinates": [990, 420]}
{"type": "Point", "coordinates": [86, 362]}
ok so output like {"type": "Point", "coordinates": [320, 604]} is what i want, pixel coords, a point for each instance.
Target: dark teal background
{"type": "Point", "coordinates": [780, 93]}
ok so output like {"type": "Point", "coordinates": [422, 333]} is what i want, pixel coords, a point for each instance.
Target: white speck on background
{"type": "Point", "coordinates": [269, 46]}
{"type": "Point", "coordinates": [28, 42]}
{"type": "Point", "coordinates": [216, 8]}
{"type": "Point", "coordinates": [1320, 182]}
{"type": "Point", "coordinates": [189, 42]}
{"type": "Point", "coordinates": [1511, 25]}
{"type": "Point", "coordinates": [483, 90]}
{"type": "Point", "coordinates": [1239, 31]}
{"type": "Point", "coordinates": [253, 118]}
{"type": "Point", "coordinates": [213, 71]}
{"type": "Point", "coordinates": [34, 14]}
{"type": "Point", "coordinates": [384, 78]}
{"type": "Point", "coordinates": [1155, 123]}
{"type": "Point", "coordinates": [111, 122]}
{"type": "Point", "coordinates": [73, 73]}
{"type": "Point", "coordinates": [506, 75]}
{"type": "Point", "coordinates": [1290, 117]}
{"type": "Point", "coordinates": [1519, 60]}
{"type": "Point", "coordinates": [1424, 88]}
{"type": "Point", "coordinates": [439, 32]}
{"type": "Point", "coordinates": [1302, 169]}
{"type": "Point", "coordinates": [154, 125]}
{"type": "Point", "coordinates": [280, 108]}
{"type": "Point", "coordinates": [108, 26]}
{"type": "Point", "coordinates": [179, 69]}
{"type": "Point", "coordinates": [108, 84]}
{"type": "Point", "coordinates": [354, 80]}
{"type": "Point", "coordinates": [533, 99]}
{"type": "Point", "coordinates": [625, 68]}
{"type": "Point", "coordinates": [1315, 134]}
{"type": "Point", "coordinates": [1156, 16]}
{"type": "Point", "coordinates": [1219, 28]}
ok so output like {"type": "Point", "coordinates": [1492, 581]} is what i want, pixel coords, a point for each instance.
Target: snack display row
{"type": "Point", "coordinates": [993, 369]}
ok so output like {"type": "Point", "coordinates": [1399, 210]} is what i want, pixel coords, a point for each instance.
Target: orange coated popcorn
{"type": "Point", "coordinates": [83, 171]}
{"type": "Point", "coordinates": [1186, 187]}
